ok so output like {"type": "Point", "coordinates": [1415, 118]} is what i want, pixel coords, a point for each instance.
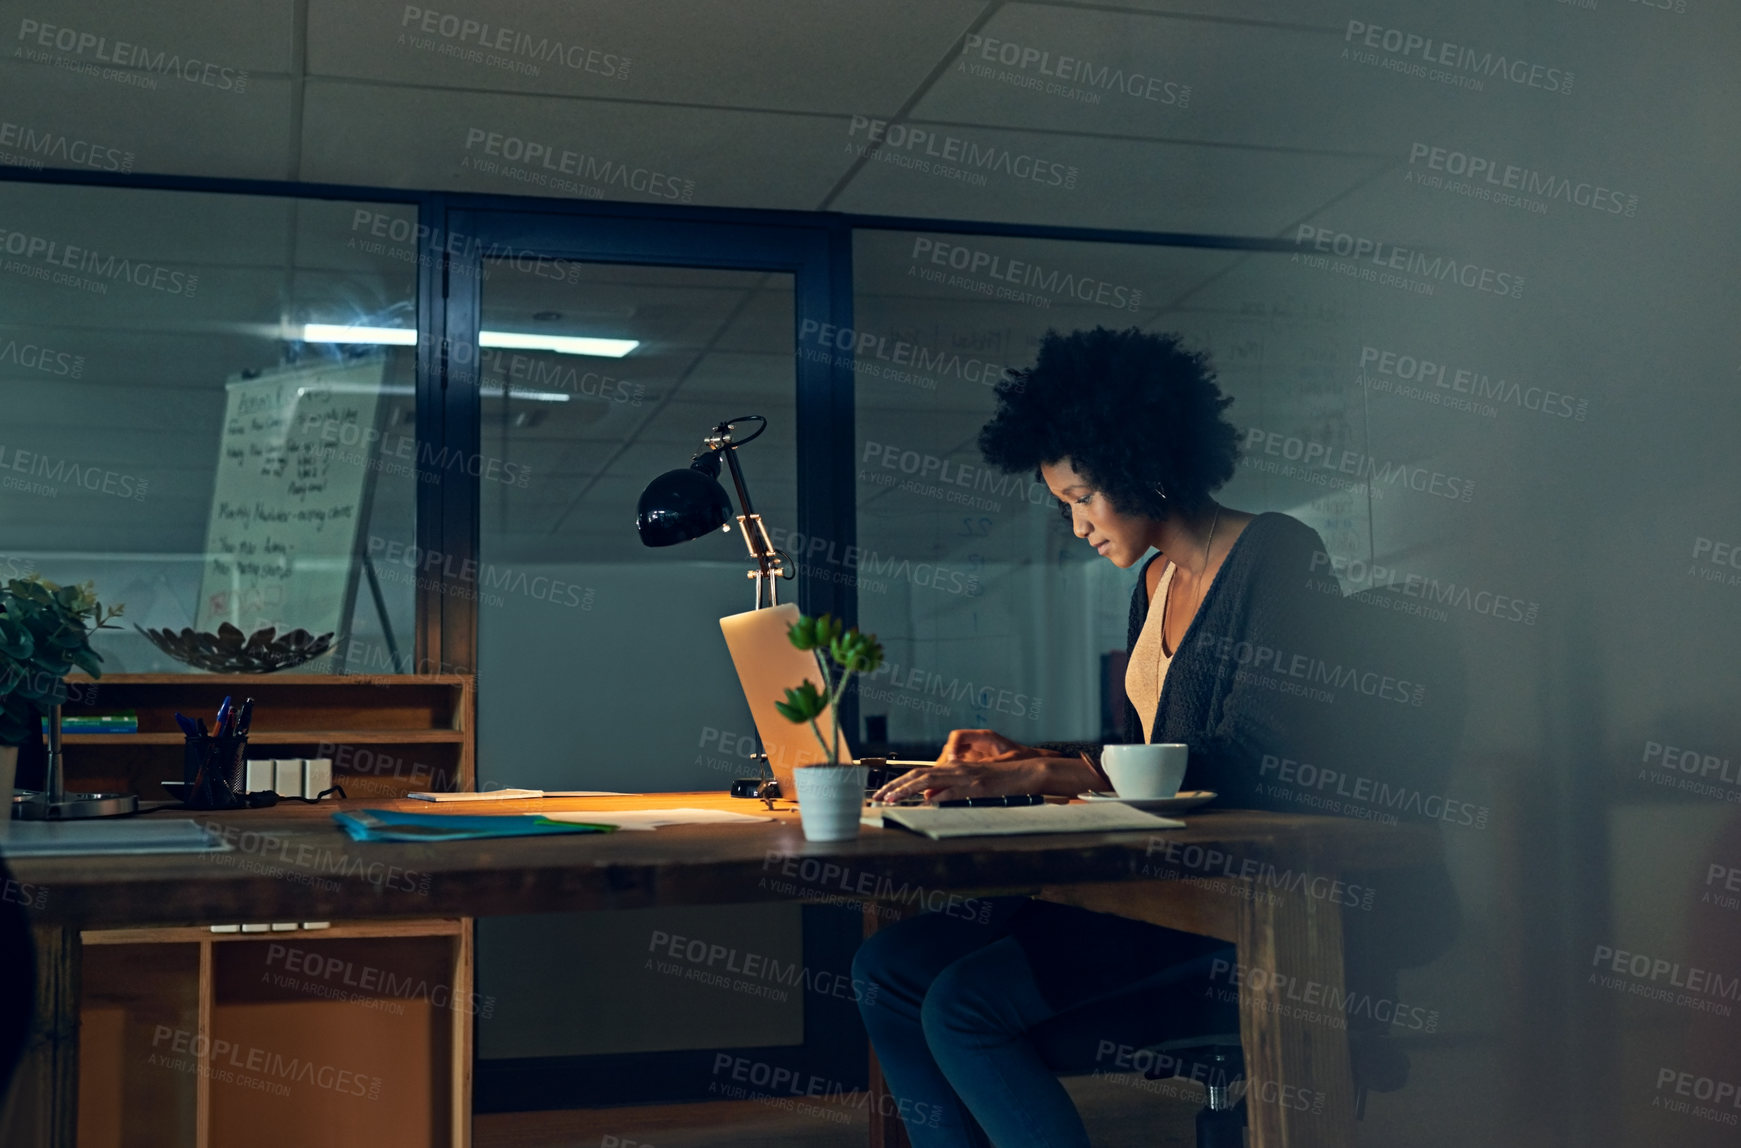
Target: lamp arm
{"type": "Point", "coordinates": [737, 480]}
{"type": "Point", "coordinates": [770, 562]}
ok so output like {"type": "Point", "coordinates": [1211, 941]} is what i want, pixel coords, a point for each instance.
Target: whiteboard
{"type": "Point", "coordinates": [292, 488]}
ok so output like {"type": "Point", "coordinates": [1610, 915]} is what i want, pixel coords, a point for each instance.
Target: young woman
{"type": "Point", "coordinates": [1127, 432]}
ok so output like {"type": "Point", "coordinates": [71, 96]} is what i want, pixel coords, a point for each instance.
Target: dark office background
{"type": "Point", "coordinates": [1469, 271]}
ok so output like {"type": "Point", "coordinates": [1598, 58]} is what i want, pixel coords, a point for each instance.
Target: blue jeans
{"type": "Point", "coordinates": [970, 1048]}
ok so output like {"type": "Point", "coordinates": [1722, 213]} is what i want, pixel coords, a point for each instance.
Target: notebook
{"type": "Point", "coordinates": [939, 824]}
{"type": "Point", "coordinates": [118, 835]}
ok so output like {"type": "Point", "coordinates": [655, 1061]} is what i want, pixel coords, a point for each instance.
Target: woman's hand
{"type": "Point", "coordinates": [974, 763]}
{"type": "Point", "coordinates": [984, 745]}
{"type": "Point", "coordinates": [953, 780]}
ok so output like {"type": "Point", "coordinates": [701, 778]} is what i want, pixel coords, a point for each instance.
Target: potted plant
{"type": "Point", "coordinates": [45, 631]}
{"type": "Point", "coordinates": [829, 793]}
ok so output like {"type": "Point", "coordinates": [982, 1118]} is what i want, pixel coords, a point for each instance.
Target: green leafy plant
{"type": "Point", "coordinates": [853, 652]}
{"type": "Point", "coordinates": [45, 631]}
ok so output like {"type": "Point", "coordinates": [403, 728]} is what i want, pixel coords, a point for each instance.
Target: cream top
{"type": "Point", "coordinates": [1146, 672]}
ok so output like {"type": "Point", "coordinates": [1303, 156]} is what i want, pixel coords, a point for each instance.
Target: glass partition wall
{"type": "Point", "coordinates": [572, 606]}
{"type": "Point", "coordinates": [601, 663]}
{"type": "Point", "coordinates": [189, 417]}
{"type": "Point", "coordinates": [604, 657]}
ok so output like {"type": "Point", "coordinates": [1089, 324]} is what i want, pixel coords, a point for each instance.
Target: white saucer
{"type": "Point", "coordinates": [1190, 799]}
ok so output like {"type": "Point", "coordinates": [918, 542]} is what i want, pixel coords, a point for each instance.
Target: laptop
{"type": "Point", "coordinates": [768, 665]}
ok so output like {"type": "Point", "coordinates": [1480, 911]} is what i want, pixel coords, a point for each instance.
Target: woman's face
{"type": "Point", "coordinates": [1122, 539]}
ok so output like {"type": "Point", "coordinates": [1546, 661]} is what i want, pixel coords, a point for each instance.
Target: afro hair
{"type": "Point", "coordinates": [1131, 411]}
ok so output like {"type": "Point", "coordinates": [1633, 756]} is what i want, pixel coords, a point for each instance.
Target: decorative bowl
{"type": "Point", "coordinates": [230, 652]}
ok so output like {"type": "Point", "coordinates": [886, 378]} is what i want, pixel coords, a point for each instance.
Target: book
{"type": "Point", "coordinates": [123, 721]}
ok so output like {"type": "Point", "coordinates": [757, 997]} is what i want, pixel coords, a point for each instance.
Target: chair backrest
{"type": "Point", "coordinates": [1413, 744]}
{"type": "Point", "coordinates": [1410, 753]}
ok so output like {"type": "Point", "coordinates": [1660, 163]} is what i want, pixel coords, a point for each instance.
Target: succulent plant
{"type": "Point", "coordinates": [45, 631]}
{"type": "Point", "coordinates": [853, 652]}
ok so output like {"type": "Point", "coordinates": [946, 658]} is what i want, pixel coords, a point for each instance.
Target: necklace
{"type": "Point", "coordinates": [1207, 545]}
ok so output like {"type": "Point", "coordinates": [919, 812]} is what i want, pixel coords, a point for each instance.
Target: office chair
{"type": "Point", "coordinates": [1217, 1062]}
{"type": "Point", "coordinates": [1405, 745]}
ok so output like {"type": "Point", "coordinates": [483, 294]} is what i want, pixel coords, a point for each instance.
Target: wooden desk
{"type": "Point", "coordinates": [279, 853]}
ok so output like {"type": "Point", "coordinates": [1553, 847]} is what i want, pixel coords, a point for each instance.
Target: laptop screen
{"type": "Point", "coordinates": [768, 665]}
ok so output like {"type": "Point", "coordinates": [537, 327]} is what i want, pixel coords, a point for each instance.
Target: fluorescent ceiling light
{"type": "Point", "coordinates": [510, 340]}
{"type": "Point", "coordinates": [529, 396]}
{"type": "Point", "coordinates": [488, 392]}
{"type": "Point", "coordinates": [562, 344]}
{"type": "Point", "coordinates": [338, 333]}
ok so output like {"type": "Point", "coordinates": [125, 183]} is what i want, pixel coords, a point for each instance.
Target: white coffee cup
{"type": "Point", "coordinates": [830, 800]}
{"type": "Point", "coordinates": [1145, 772]}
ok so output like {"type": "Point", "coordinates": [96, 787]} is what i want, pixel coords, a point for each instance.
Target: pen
{"type": "Point", "coordinates": [187, 727]}
{"type": "Point", "coordinates": [246, 718]}
{"type": "Point", "coordinates": [223, 716]}
{"type": "Point", "coordinates": [975, 802]}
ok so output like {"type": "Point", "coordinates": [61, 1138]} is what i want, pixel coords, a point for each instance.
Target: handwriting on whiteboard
{"type": "Point", "coordinates": [282, 534]}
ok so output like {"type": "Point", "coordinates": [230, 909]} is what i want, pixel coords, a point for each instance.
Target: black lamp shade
{"type": "Point", "coordinates": [680, 505]}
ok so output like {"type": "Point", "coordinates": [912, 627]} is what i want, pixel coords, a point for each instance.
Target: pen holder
{"type": "Point", "coordinates": [211, 771]}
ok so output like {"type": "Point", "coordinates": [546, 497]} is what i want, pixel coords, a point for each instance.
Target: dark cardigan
{"type": "Point", "coordinates": [1251, 683]}
{"type": "Point", "coordinates": [1259, 605]}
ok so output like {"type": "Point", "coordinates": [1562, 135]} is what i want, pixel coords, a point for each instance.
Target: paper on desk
{"type": "Point", "coordinates": [655, 818]}
{"type": "Point", "coordinates": [996, 821]}
{"type": "Point", "coordinates": [515, 794]}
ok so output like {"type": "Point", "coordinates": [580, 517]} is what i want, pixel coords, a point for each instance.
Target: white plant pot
{"type": "Point", "coordinates": [830, 800]}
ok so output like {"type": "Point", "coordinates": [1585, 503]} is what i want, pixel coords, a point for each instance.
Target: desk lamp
{"type": "Point", "coordinates": [681, 505]}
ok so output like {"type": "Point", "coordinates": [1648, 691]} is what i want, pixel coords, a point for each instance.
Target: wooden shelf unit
{"type": "Point", "coordinates": [351, 1036]}
{"type": "Point", "coordinates": [157, 1003]}
{"type": "Point", "coordinates": [387, 734]}
{"type": "Point", "coordinates": [285, 737]}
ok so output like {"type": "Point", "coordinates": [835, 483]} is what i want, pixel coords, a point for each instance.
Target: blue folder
{"type": "Point", "coordinates": [386, 825]}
